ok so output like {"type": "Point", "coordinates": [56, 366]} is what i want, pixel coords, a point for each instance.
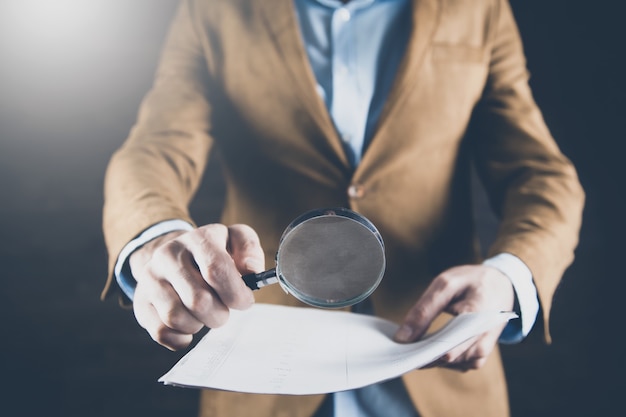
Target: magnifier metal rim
{"type": "Point", "coordinates": [340, 212]}
{"type": "Point", "coordinates": [332, 211]}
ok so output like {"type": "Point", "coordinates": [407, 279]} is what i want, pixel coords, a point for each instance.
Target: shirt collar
{"type": "Point", "coordinates": [352, 4]}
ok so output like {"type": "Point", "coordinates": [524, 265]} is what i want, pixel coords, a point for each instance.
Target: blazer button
{"type": "Point", "coordinates": [356, 191]}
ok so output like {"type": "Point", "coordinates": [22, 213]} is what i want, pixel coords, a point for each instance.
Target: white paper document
{"type": "Point", "coordinates": [271, 349]}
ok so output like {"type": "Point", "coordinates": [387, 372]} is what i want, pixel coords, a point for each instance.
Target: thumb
{"type": "Point", "coordinates": [245, 248]}
{"type": "Point", "coordinates": [435, 299]}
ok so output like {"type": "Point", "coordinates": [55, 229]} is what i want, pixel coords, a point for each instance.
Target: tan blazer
{"type": "Point", "coordinates": [234, 78]}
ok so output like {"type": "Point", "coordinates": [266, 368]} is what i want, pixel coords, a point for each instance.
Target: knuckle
{"type": "Point", "coordinates": [250, 244]}
{"type": "Point", "coordinates": [174, 318]}
{"type": "Point", "coordinates": [242, 229]}
{"type": "Point", "coordinates": [168, 248]}
{"type": "Point", "coordinates": [444, 281]}
{"type": "Point", "coordinates": [171, 340]}
{"type": "Point", "coordinates": [161, 334]}
{"type": "Point", "coordinates": [167, 256]}
{"type": "Point", "coordinates": [476, 364]}
{"type": "Point", "coordinates": [245, 236]}
{"type": "Point", "coordinates": [219, 318]}
{"type": "Point", "coordinates": [210, 233]}
{"type": "Point", "coordinates": [446, 358]}
{"type": "Point", "coordinates": [198, 302]}
{"type": "Point", "coordinates": [419, 314]}
{"type": "Point", "coordinates": [218, 271]}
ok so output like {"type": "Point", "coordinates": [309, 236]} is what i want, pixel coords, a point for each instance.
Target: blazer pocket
{"type": "Point", "coordinates": [457, 53]}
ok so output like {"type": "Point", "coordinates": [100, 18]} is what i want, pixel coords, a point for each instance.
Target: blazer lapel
{"type": "Point", "coordinates": [280, 18]}
{"type": "Point", "coordinates": [426, 14]}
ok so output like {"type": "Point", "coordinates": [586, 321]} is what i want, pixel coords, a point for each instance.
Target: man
{"type": "Point", "coordinates": [380, 106]}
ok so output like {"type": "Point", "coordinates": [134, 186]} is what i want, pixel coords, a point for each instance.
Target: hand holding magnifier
{"type": "Point", "coordinates": [331, 257]}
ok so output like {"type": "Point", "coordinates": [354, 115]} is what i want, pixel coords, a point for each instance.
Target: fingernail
{"type": "Point", "coordinates": [254, 264]}
{"type": "Point", "coordinates": [404, 333]}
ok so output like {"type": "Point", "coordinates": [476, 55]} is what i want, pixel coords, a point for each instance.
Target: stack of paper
{"type": "Point", "coordinates": [270, 349]}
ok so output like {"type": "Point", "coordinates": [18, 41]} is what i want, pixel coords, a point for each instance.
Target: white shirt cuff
{"type": "Point", "coordinates": [122, 273]}
{"type": "Point", "coordinates": [525, 291]}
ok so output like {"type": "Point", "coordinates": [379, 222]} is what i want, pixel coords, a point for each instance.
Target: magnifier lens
{"type": "Point", "coordinates": [334, 259]}
{"type": "Point", "coordinates": [327, 258]}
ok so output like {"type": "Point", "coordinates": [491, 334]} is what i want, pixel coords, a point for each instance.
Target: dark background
{"type": "Point", "coordinates": [72, 74]}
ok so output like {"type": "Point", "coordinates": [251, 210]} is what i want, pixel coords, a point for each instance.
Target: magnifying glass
{"type": "Point", "coordinates": [329, 257]}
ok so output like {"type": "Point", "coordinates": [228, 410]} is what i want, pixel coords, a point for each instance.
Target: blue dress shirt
{"type": "Point", "coordinates": [354, 50]}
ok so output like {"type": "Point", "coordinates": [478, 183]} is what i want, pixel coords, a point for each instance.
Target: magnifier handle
{"type": "Point", "coordinates": [260, 280]}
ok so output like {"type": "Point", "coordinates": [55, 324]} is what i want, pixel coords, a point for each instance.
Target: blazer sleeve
{"type": "Point", "coordinates": [533, 188]}
{"type": "Point", "coordinates": [156, 172]}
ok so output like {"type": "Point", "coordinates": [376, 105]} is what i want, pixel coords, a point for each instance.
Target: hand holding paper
{"type": "Point", "coordinates": [272, 349]}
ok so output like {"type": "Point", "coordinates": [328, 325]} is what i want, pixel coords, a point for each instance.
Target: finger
{"type": "Point", "coordinates": [148, 318]}
{"type": "Point", "coordinates": [457, 353]}
{"type": "Point", "coordinates": [463, 366]}
{"type": "Point", "coordinates": [200, 300]}
{"type": "Point", "coordinates": [245, 248]}
{"type": "Point", "coordinates": [450, 359]}
{"type": "Point", "coordinates": [460, 367]}
{"type": "Point", "coordinates": [435, 299]}
{"type": "Point", "coordinates": [472, 355]}
{"type": "Point", "coordinates": [209, 251]}
{"type": "Point", "coordinates": [163, 335]}
{"type": "Point", "coordinates": [477, 354]}
{"type": "Point", "coordinates": [174, 261]}
{"type": "Point", "coordinates": [437, 363]}
{"type": "Point", "coordinates": [169, 307]}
